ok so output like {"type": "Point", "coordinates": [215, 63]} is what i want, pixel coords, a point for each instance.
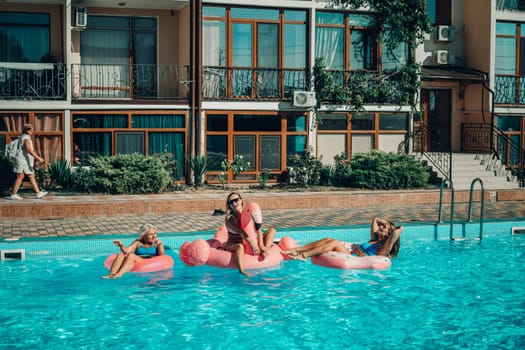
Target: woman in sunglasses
{"type": "Point", "coordinates": [245, 233]}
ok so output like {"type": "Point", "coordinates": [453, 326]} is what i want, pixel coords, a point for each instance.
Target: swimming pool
{"type": "Point", "coordinates": [436, 295]}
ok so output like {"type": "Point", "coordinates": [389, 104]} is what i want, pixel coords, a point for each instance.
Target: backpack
{"type": "Point", "coordinates": [12, 149]}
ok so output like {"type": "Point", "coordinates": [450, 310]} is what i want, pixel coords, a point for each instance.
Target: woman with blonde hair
{"type": "Point", "coordinates": [25, 162]}
{"type": "Point", "coordinates": [145, 246]}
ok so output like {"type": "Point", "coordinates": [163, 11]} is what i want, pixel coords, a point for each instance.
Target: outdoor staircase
{"type": "Point", "coordinates": [468, 166]}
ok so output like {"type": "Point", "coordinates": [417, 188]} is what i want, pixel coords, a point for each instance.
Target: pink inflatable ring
{"type": "Point", "coordinates": [156, 263]}
{"type": "Point", "coordinates": [339, 260]}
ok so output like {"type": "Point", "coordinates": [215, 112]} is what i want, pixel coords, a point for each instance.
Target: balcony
{"type": "Point", "coordinates": [130, 82]}
{"type": "Point", "coordinates": [32, 81]}
{"type": "Point", "coordinates": [271, 84]}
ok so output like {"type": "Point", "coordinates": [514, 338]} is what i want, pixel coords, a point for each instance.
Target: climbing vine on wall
{"type": "Point", "coordinates": [400, 21]}
{"type": "Point", "coordinates": [406, 19]}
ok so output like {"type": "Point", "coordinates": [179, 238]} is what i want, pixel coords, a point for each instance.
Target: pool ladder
{"type": "Point", "coordinates": [452, 209]}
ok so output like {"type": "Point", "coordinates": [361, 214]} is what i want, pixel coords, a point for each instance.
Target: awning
{"type": "Point", "coordinates": [453, 74]}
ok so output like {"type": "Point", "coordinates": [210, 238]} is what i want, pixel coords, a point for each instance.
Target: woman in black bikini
{"type": "Point", "coordinates": [237, 236]}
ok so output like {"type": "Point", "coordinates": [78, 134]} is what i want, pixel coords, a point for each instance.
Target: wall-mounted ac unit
{"type": "Point", "coordinates": [446, 33]}
{"type": "Point", "coordinates": [81, 17]}
{"type": "Point", "coordinates": [442, 57]}
{"type": "Point", "coordinates": [304, 99]}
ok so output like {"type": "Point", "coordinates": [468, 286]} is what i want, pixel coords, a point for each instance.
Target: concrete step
{"type": "Point", "coordinates": [467, 167]}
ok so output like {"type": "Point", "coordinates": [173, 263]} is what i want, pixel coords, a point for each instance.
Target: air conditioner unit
{"type": "Point", "coordinates": [304, 99]}
{"type": "Point", "coordinates": [442, 57]}
{"type": "Point", "coordinates": [446, 33]}
{"type": "Point", "coordinates": [81, 17]}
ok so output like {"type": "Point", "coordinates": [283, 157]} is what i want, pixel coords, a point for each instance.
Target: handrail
{"type": "Point", "coordinates": [502, 140]}
{"type": "Point", "coordinates": [452, 205]}
{"type": "Point", "coordinates": [482, 206]}
{"type": "Point", "coordinates": [452, 209]}
{"type": "Point", "coordinates": [440, 210]}
{"type": "Point", "coordinates": [441, 159]}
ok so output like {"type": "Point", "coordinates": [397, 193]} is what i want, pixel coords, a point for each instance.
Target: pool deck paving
{"type": "Point", "coordinates": [192, 210]}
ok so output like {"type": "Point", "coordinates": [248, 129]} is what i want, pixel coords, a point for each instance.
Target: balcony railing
{"type": "Point", "coordinates": [373, 87]}
{"type": "Point", "coordinates": [32, 81]}
{"type": "Point", "coordinates": [222, 83]}
{"type": "Point", "coordinates": [509, 90]}
{"type": "Point", "coordinates": [130, 82]}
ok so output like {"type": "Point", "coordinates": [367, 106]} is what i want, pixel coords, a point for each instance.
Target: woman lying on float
{"type": "Point", "coordinates": [240, 242]}
{"type": "Point", "coordinates": [384, 243]}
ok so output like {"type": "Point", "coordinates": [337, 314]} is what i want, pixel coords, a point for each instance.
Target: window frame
{"type": "Point", "coordinates": [251, 174]}
{"type": "Point", "coordinates": [32, 25]}
{"type": "Point", "coordinates": [129, 128]}
{"type": "Point", "coordinates": [251, 78]}
{"type": "Point", "coordinates": [39, 136]}
{"type": "Point", "coordinates": [376, 132]}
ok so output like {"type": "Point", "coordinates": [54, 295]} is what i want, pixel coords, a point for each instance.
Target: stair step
{"type": "Point", "coordinates": [466, 167]}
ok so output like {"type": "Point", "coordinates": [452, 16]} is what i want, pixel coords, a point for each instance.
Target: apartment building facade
{"type": "Point", "coordinates": [225, 78]}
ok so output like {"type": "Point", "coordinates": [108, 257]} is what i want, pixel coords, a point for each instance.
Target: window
{"type": "Point", "coordinates": [510, 63]}
{"type": "Point", "coordinates": [346, 41]}
{"type": "Point", "coordinates": [151, 133]}
{"type": "Point", "coordinates": [262, 56]}
{"type": "Point", "coordinates": [513, 136]}
{"type": "Point", "coordinates": [352, 133]}
{"type": "Point", "coordinates": [439, 11]}
{"type": "Point", "coordinates": [24, 37]}
{"type": "Point", "coordinates": [264, 140]}
{"type": "Point", "coordinates": [129, 142]}
{"type": "Point", "coordinates": [48, 135]}
{"type": "Point", "coordinates": [108, 48]}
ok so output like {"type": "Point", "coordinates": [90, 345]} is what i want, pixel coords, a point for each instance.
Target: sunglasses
{"type": "Point", "coordinates": [234, 200]}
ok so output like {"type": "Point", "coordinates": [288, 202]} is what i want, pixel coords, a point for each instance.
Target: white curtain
{"type": "Point", "coordinates": [105, 57]}
{"type": "Point", "coordinates": [213, 53]}
{"type": "Point", "coordinates": [329, 45]}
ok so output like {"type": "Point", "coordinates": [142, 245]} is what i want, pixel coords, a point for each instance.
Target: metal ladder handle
{"type": "Point", "coordinates": [440, 210]}
{"type": "Point", "coordinates": [482, 207]}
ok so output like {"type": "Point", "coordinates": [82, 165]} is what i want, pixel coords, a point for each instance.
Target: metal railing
{"type": "Point", "coordinates": [130, 81]}
{"type": "Point", "coordinates": [504, 146]}
{"type": "Point", "coordinates": [371, 86]}
{"type": "Point", "coordinates": [32, 81]}
{"type": "Point", "coordinates": [227, 83]}
{"type": "Point", "coordinates": [452, 209]}
{"type": "Point", "coordinates": [440, 157]}
{"type": "Point", "coordinates": [509, 90]}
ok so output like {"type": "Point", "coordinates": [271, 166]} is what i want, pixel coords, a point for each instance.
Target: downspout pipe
{"type": "Point", "coordinates": [492, 114]}
{"type": "Point", "coordinates": [195, 82]}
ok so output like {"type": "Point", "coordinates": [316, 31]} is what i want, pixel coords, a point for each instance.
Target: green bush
{"type": "Point", "coordinates": [122, 174]}
{"type": "Point", "coordinates": [43, 177]}
{"type": "Point", "coordinates": [58, 175]}
{"type": "Point", "coordinates": [326, 175]}
{"type": "Point", "coordinates": [199, 165]}
{"type": "Point", "coordinates": [61, 174]}
{"type": "Point", "coordinates": [306, 170]}
{"type": "Point", "coordinates": [381, 170]}
{"type": "Point", "coordinates": [342, 175]}
{"type": "Point", "coordinates": [6, 169]}
{"type": "Point", "coordinates": [263, 178]}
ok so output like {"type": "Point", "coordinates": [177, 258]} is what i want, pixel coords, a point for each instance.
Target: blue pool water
{"type": "Point", "coordinates": [437, 295]}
